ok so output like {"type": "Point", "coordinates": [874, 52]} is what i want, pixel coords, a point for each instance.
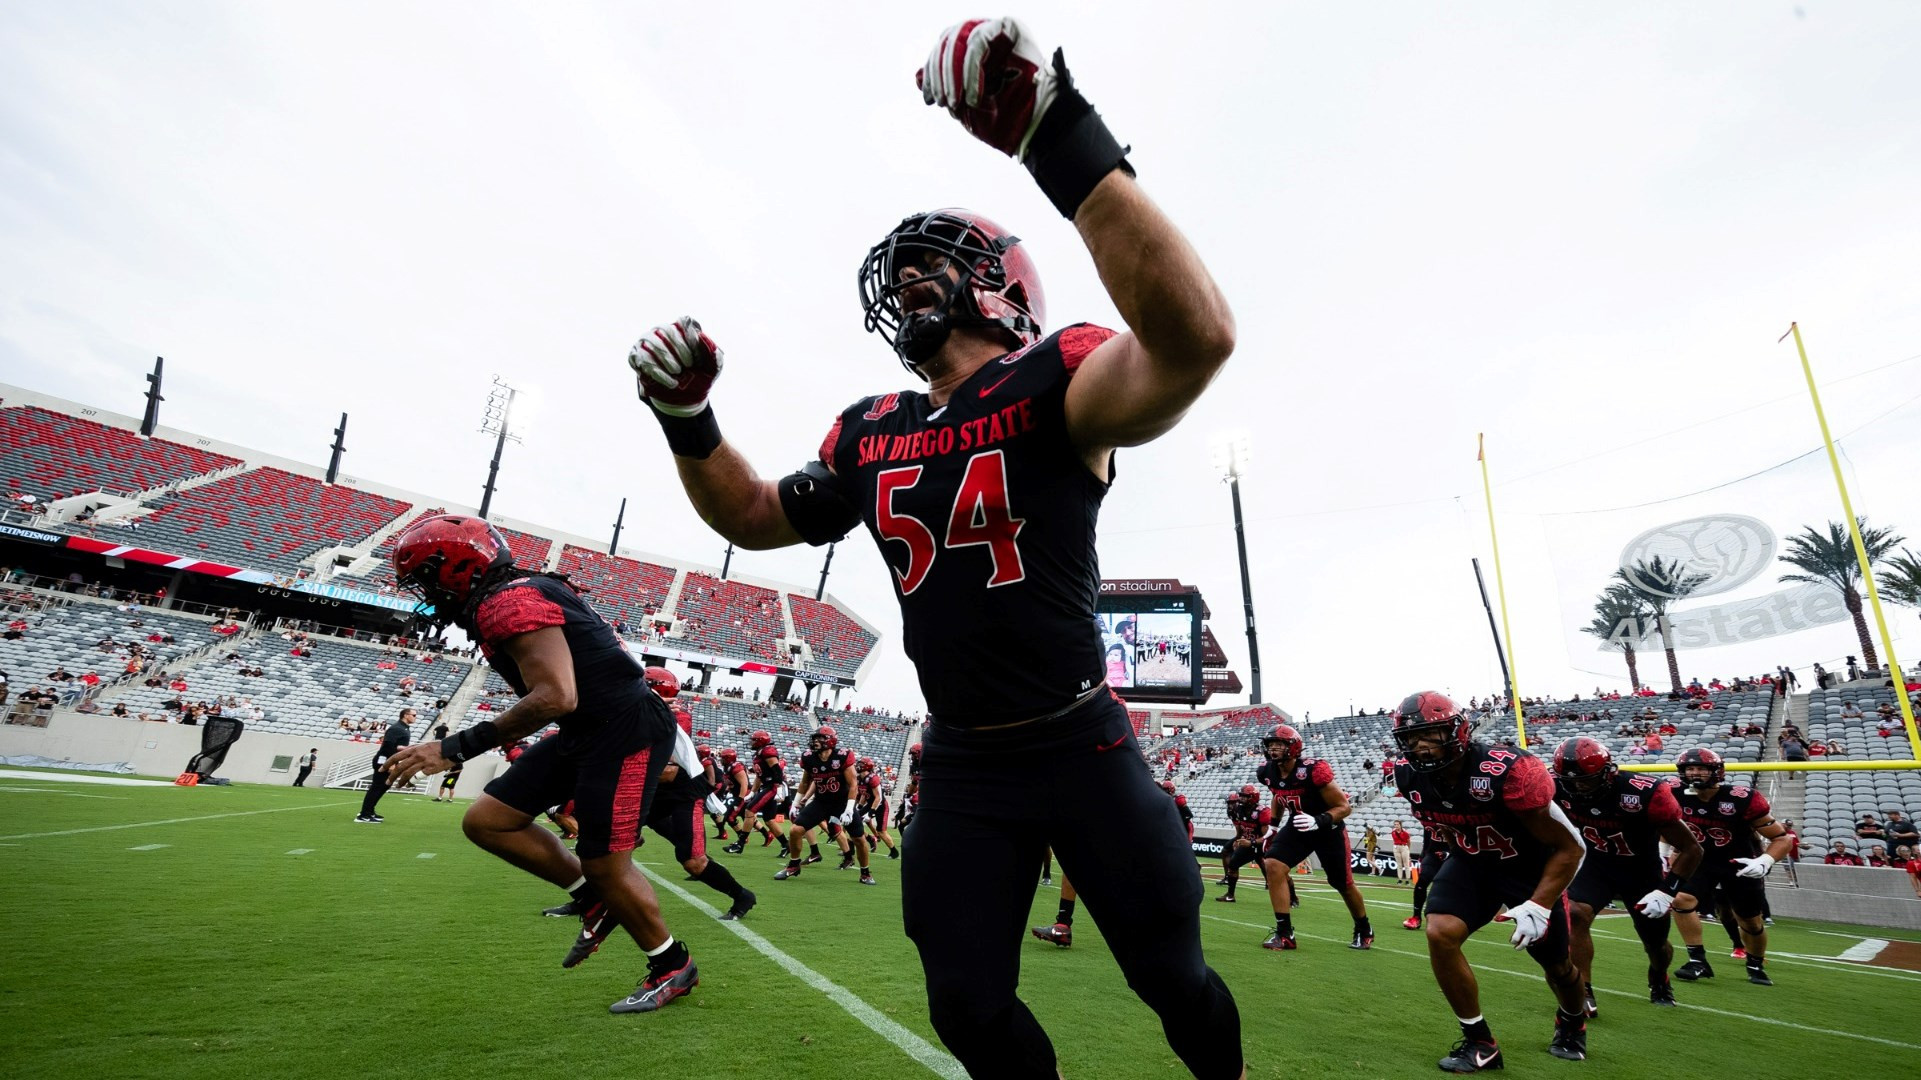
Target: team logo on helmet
{"type": "Point", "coordinates": [665, 684]}
{"type": "Point", "coordinates": [994, 285]}
{"type": "Point", "coordinates": [1584, 767]}
{"type": "Point", "coordinates": [446, 558]}
{"type": "Point", "coordinates": [1700, 757]}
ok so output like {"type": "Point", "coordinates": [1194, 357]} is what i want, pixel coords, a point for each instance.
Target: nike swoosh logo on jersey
{"type": "Point", "coordinates": [996, 384]}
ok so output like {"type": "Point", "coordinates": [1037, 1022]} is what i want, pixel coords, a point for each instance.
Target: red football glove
{"type": "Point", "coordinates": [993, 77]}
{"type": "Point", "coordinates": [675, 366]}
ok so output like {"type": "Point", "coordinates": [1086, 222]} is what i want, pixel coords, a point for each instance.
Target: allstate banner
{"type": "Point", "coordinates": [1701, 572]}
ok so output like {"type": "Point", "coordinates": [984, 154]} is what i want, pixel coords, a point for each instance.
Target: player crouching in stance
{"type": "Point", "coordinates": [1726, 819]}
{"type": "Point", "coordinates": [1309, 808]}
{"type": "Point", "coordinates": [871, 803]}
{"type": "Point", "coordinates": [1251, 823]}
{"type": "Point", "coordinates": [615, 737]}
{"type": "Point", "coordinates": [1510, 844]}
{"type": "Point", "coordinates": [826, 782]}
{"type": "Point", "coordinates": [1623, 819]}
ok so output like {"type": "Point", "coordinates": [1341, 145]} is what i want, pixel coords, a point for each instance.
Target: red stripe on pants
{"type": "Point", "coordinates": [699, 825]}
{"type": "Point", "coordinates": [627, 797]}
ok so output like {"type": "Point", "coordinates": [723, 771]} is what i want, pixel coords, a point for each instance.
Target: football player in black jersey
{"type": "Point", "coordinates": [872, 803]}
{"type": "Point", "coordinates": [982, 492]}
{"type": "Point", "coordinates": [615, 737]}
{"type": "Point", "coordinates": [1730, 821]}
{"type": "Point", "coordinates": [1511, 844]}
{"type": "Point", "coordinates": [1309, 808]}
{"type": "Point", "coordinates": [826, 788]}
{"type": "Point", "coordinates": [1623, 819]}
{"type": "Point", "coordinates": [766, 799]}
{"type": "Point", "coordinates": [1251, 823]}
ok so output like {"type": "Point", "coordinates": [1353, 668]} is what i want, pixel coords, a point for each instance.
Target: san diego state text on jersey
{"type": "Point", "coordinates": [607, 679]}
{"type": "Point", "coordinates": [1724, 823]}
{"type": "Point", "coordinates": [985, 512]}
{"type": "Point", "coordinates": [1624, 819]}
{"type": "Point", "coordinates": [1300, 788]}
{"type": "Point", "coordinates": [1476, 815]}
{"type": "Point", "coordinates": [827, 775]}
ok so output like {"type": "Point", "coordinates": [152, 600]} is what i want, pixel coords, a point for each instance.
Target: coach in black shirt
{"type": "Point", "coordinates": [399, 733]}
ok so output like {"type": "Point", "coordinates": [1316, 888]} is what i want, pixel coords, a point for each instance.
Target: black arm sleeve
{"type": "Point", "coordinates": [816, 506]}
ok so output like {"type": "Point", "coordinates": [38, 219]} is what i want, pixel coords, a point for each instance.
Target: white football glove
{"type": "Point", "coordinates": [992, 76]}
{"type": "Point", "coordinates": [1655, 904]}
{"type": "Point", "coordinates": [1756, 867]}
{"type": "Point", "coordinates": [675, 366]}
{"type": "Point", "coordinates": [1530, 924]}
{"type": "Point", "coordinates": [1306, 822]}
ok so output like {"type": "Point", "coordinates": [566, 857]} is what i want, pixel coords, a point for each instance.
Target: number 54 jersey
{"type": "Point", "coordinates": [985, 513]}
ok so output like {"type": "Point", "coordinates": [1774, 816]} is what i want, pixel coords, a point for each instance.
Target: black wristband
{"type": "Point", "coordinates": [696, 436]}
{"type": "Point", "coordinates": [1072, 151]}
{"type": "Point", "coordinates": [1671, 884]}
{"type": "Point", "coordinates": [1324, 820]}
{"type": "Point", "coordinates": [469, 742]}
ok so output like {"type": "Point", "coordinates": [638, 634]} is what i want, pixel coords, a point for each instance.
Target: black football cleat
{"type": "Point", "coordinates": [1224, 898]}
{"type": "Point", "coordinates": [1593, 1007]}
{"type": "Point", "coordinates": [1362, 940]}
{"type": "Point", "coordinates": [1570, 1039]}
{"type": "Point", "coordinates": [893, 853]}
{"type": "Point", "coordinates": [787, 872]}
{"type": "Point", "coordinates": [741, 906]}
{"type": "Point", "coordinates": [811, 859]}
{"type": "Point", "coordinates": [596, 922]}
{"type": "Point", "coordinates": [571, 907]}
{"type": "Point", "coordinates": [655, 991]}
{"type": "Point", "coordinates": [867, 878]}
{"type": "Point", "coordinates": [1662, 993]}
{"type": "Point", "coordinates": [1058, 934]}
{"type": "Point", "coordinates": [1280, 942]}
{"type": "Point", "coordinates": [1472, 1055]}
{"type": "Point", "coordinates": [735, 848]}
{"type": "Point", "coordinates": [1694, 969]}
{"type": "Point", "coordinates": [1758, 974]}
{"type": "Point", "coordinates": [846, 863]}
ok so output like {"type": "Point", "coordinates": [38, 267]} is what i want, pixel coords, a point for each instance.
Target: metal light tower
{"type": "Point", "coordinates": [496, 422]}
{"type": "Point", "coordinates": [1231, 454]}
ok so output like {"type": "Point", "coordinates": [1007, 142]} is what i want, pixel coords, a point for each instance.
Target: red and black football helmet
{"type": "Point", "coordinates": [865, 764]}
{"type": "Point", "coordinates": [703, 751]}
{"type": "Point", "coordinates": [663, 683]}
{"type": "Point", "coordinates": [759, 739]}
{"type": "Point", "coordinates": [1700, 757]}
{"type": "Point", "coordinates": [446, 558]}
{"type": "Point", "coordinates": [1429, 713]}
{"type": "Point", "coordinates": [1283, 739]}
{"type": "Point", "coordinates": [769, 752]}
{"type": "Point", "coordinates": [728, 755]}
{"type": "Point", "coordinates": [1584, 767]}
{"type": "Point", "coordinates": [823, 738]}
{"type": "Point", "coordinates": [1249, 795]}
{"type": "Point", "coordinates": [1168, 786]}
{"type": "Point", "coordinates": [914, 752]}
{"type": "Point", "coordinates": [998, 285]}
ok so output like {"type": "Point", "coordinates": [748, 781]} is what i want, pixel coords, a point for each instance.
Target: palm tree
{"type": "Point", "coordinates": [1658, 583]}
{"type": "Point", "coordinates": [1828, 559]}
{"type": "Point", "coordinates": [1619, 613]}
{"type": "Point", "coordinates": [1901, 579]}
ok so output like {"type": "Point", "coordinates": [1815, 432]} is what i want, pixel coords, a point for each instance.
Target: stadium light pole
{"type": "Point", "coordinates": [496, 422]}
{"type": "Point", "coordinates": [1231, 453]}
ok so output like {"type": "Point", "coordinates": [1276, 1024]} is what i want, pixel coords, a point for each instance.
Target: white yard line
{"type": "Point", "coordinates": [301, 851]}
{"type": "Point", "coordinates": [149, 847]}
{"type": "Point", "coordinates": [1802, 960]}
{"type": "Point", "coordinates": [1536, 975]}
{"type": "Point", "coordinates": [171, 821]}
{"type": "Point", "coordinates": [937, 1061]}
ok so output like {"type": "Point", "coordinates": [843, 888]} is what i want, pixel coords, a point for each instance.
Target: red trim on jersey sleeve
{"type": "Point", "coordinates": [827, 445]}
{"type": "Point", "coordinates": [1527, 785]}
{"type": "Point", "coordinates": [1758, 807]}
{"type": "Point", "coordinates": [515, 610]}
{"type": "Point", "coordinates": [1662, 807]}
{"type": "Point", "coordinates": [1076, 342]}
{"type": "Point", "coordinates": [1265, 818]}
{"type": "Point", "coordinates": [1320, 774]}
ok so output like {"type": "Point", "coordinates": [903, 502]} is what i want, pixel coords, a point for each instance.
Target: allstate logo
{"type": "Point", "coordinates": [1699, 556]}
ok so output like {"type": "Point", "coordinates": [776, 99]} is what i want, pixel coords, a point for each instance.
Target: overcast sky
{"type": "Point", "coordinates": [1579, 230]}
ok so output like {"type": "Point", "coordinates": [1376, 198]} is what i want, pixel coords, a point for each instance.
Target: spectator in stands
{"type": "Point", "coordinates": [1834, 747]}
{"type": "Point", "coordinates": [1869, 829]}
{"type": "Point", "coordinates": [1850, 711]}
{"type": "Point", "coordinates": [1877, 856]}
{"type": "Point", "coordinates": [88, 706]}
{"type": "Point", "coordinates": [59, 674]}
{"type": "Point", "coordinates": [4, 688]}
{"type": "Point", "coordinates": [1854, 672]}
{"type": "Point", "coordinates": [1903, 857]}
{"type": "Point", "coordinates": [120, 709]}
{"type": "Point", "coordinates": [1839, 855]}
{"type": "Point", "coordinates": [1902, 830]}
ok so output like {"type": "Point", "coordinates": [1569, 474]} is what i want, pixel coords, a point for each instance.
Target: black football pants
{"type": "Point", "coordinates": [991, 803]}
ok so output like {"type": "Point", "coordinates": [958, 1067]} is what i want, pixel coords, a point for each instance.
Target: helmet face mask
{"type": "Point", "coordinates": [823, 740]}
{"type": "Point", "coordinates": [993, 284]}
{"type": "Point", "coordinates": [1249, 795]}
{"type": "Point", "coordinates": [446, 559]}
{"type": "Point", "coordinates": [1281, 745]}
{"type": "Point", "coordinates": [1701, 769]}
{"type": "Point", "coordinates": [1431, 731]}
{"type": "Point", "coordinates": [1584, 768]}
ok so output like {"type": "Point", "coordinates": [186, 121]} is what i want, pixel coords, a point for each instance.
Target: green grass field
{"type": "Point", "coordinates": [165, 932]}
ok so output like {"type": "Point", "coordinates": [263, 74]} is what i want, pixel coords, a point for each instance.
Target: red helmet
{"type": "Point", "coordinates": [728, 756]}
{"type": "Point", "coordinates": [1250, 794]}
{"type": "Point", "coordinates": [769, 752]}
{"type": "Point", "coordinates": [759, 739]}
{"type": "Point", "coordinates": [1584, 767]}
{"type": "Point", "coordinates": [1286, 738]}
{"type": "Point", "coordinates": [1701, 758]}
{"type": "Point", "coordinates": [444, 557]}
{"type": "Point", "coordinates": [663, 683]}
{"type": "Point", "coordinates": [998, 285]}
{"type": "Point", "coordinates": [703, 751]}
{"type": "Point", "coordinates": [1427, 713]}
{"type": "Point", "coordinates": [865, 764]}
{"type": "Point", "coordinates": [1167, 786]}
{"type": "Point", "coordinates": [914, 751]}
{"type": "Point", "coordinates": [823, 738]}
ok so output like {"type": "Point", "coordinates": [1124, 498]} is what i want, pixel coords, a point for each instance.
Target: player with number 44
{"type": "Point", "coordinates": [982, 488]}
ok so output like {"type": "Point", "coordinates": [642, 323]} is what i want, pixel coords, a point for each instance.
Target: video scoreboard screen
{"type": "Point", "coordinates": [1151, 633]}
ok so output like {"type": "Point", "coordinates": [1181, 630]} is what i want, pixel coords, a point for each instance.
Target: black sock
{"type": "Point", "coordinates": [1066, 914]}
{"type": "Point", "coordinates": [674, 957]}
{"type": "Point", "coordinates": [1363, 928]}
{"type": "Point", "coordinates": [584, 892]}
{"type": "Point", "coordinates": [814, 850]}
{"type": "Point", "coordinates": [1231, 882]}
{"type": "Point", "coordinates": [1477, 1031]}
{"type": "Point", "coordinates": [715, 876]}
{"type": "Point", "coordinates": [1698, 952]}
{"type": "Point", "coordinates": [1284, 924]}
{"type": "Point", "coordinates": [1577, 1018]}
{"type": "Point", "coordinates": [793, 864]}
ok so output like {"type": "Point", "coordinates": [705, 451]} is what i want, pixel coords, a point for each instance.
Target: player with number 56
{"type": "Point", "coordinates": [982, 487]}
